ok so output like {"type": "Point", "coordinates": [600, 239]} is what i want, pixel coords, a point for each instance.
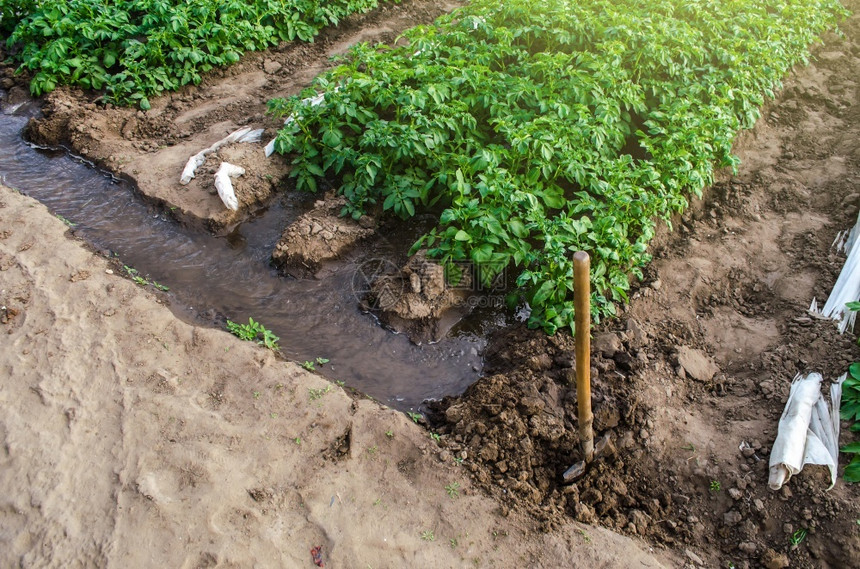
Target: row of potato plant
{"type": "Point", "coordinates": [538, 128]}
{"type": "Point", "coordinates": [138, 48]}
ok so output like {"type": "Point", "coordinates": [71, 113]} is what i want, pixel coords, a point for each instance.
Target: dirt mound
{"type": "Point", "coordinates": [318, 236]}
{"type": "Point", "coordinates": [421, 300]}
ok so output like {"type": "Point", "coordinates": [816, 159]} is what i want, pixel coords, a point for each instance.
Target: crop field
{"type": "Point", "coordinates": [447, 158]}
{"type": "Point", "coordinates": [540, 131]}
{"type": "Point", "coordinates": [134, 49]}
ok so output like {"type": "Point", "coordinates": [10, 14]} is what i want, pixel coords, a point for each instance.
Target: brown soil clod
{"type": "Point", "coordinates": [421, 300]}
{"type": "Point", "coordinates": [319, 236]}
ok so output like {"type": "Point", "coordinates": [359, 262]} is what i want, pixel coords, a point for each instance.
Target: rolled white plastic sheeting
{"type": "Point", "coordinates": [225, 186]}
{"type": "Point", "coordinates": [241, 135]}
{"type": "Point", "coordinates": [808, 431]}
{"type": "Point", "coordinates": [847, 287]}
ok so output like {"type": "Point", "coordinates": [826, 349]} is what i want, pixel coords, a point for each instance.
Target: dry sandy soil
{"type": "Point", "coordinates": [133, 439]}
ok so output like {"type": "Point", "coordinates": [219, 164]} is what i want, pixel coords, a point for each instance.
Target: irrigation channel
{"type": "Point", "coordinates": [214, 278]}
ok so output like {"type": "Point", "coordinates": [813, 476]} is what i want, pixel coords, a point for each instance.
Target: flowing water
{"type": "Point", "coordinates": [213, 278]}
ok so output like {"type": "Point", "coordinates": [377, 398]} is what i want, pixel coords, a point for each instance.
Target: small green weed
{"type": "Point", "coordinates": [453, 490]}
{"type": "Point", "coordinates": [135, 276]}
{"type": "Point", "coordinates": [312, 365]}
{"type": "Point", "coordinates": [389, 433]}
{"type": "Point", "coordinates": [715, 486]}
{"type": "Point", "coordinates": [797, 537]}
{"type": "Point", "coordinates": [66, 221]}
{"type": "Point", "coordinates": [585, 536]}
{"type": "Point", "coordinates": [416, 417]}
{"type": "Point", "coordinates": [253, 331]}
{"type": "Point", "coordinates": [315, 394]}
{"type": "Point", "coordinates": [436, 437]}
{"type": "Point", "coordinates": [428, 535]}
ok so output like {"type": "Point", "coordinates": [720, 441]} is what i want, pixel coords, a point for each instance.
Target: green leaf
{"type": "Point", "coordinates": [854, 370]}
{"type": "Point", "coordinates": [543, 293]}
{"type": "Point", "coordinates": [462, 236]}
{"type": "Point", "coordinates": [850, 411]}
{"type": "Point", "coordinates": [553, 198]}
{"type": "Point", "coordinates": [852, 471]}
{"type": "Point", "coordinates": [314, 169]}
{"type": "Point", "coordinates": [518, 228]}
{"type": "Point", "coordinates": [851, 448]}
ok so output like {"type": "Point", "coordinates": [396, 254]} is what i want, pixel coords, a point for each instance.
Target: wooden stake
{"type": "Point", "coordinates": [582, 314]}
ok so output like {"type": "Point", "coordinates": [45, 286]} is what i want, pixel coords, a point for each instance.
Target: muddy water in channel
{"type": "Point", "coordinates": [212, 278]}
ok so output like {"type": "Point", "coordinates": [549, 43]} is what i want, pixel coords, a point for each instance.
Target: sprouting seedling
{"type": "Point", "coordinates": [797, 537]}
{"type": "Point", "coordinates": [715, 486]}
{"type": "Point", "coordinates": [453, 490]}
{"type": "Point", "coordinates": [416, 417]}
{"type": "Point", "coordinates": [66, 221]}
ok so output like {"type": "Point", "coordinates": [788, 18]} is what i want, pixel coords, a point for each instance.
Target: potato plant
{"type": "Point", "coordinates": [535, 129]}
{"type": "Point", "coordinates": [134, 49]}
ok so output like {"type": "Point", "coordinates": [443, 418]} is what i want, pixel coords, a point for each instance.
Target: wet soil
{"type": "Point", "coordinates": [692, 377]}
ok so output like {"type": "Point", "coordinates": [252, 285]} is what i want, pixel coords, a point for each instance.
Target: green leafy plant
{"type": "Point", "coordinates": [850, 411]}
{"type": "Point", "coordinates": [134, 49]}
{"type": "Point", "coordinates": [797, 537]}
{"type": "Point", "coordinates": [428, 535]}
{"type": "Point", "coordinates": [253, 331]}
{"type": "Point", "coordinates": [715, 486]}
{"type": "Point", "coordinates": [533, 130]}
{"type": "Point", "coordinates": [315, 393]}
{"type": "Point", "coordinates": [453, 490]}
{"type": "Point", "coordinates": [416, 417]}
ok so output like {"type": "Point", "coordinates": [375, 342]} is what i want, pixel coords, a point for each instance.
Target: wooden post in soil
{"type": "Point", "coordinates": [582, 307]}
